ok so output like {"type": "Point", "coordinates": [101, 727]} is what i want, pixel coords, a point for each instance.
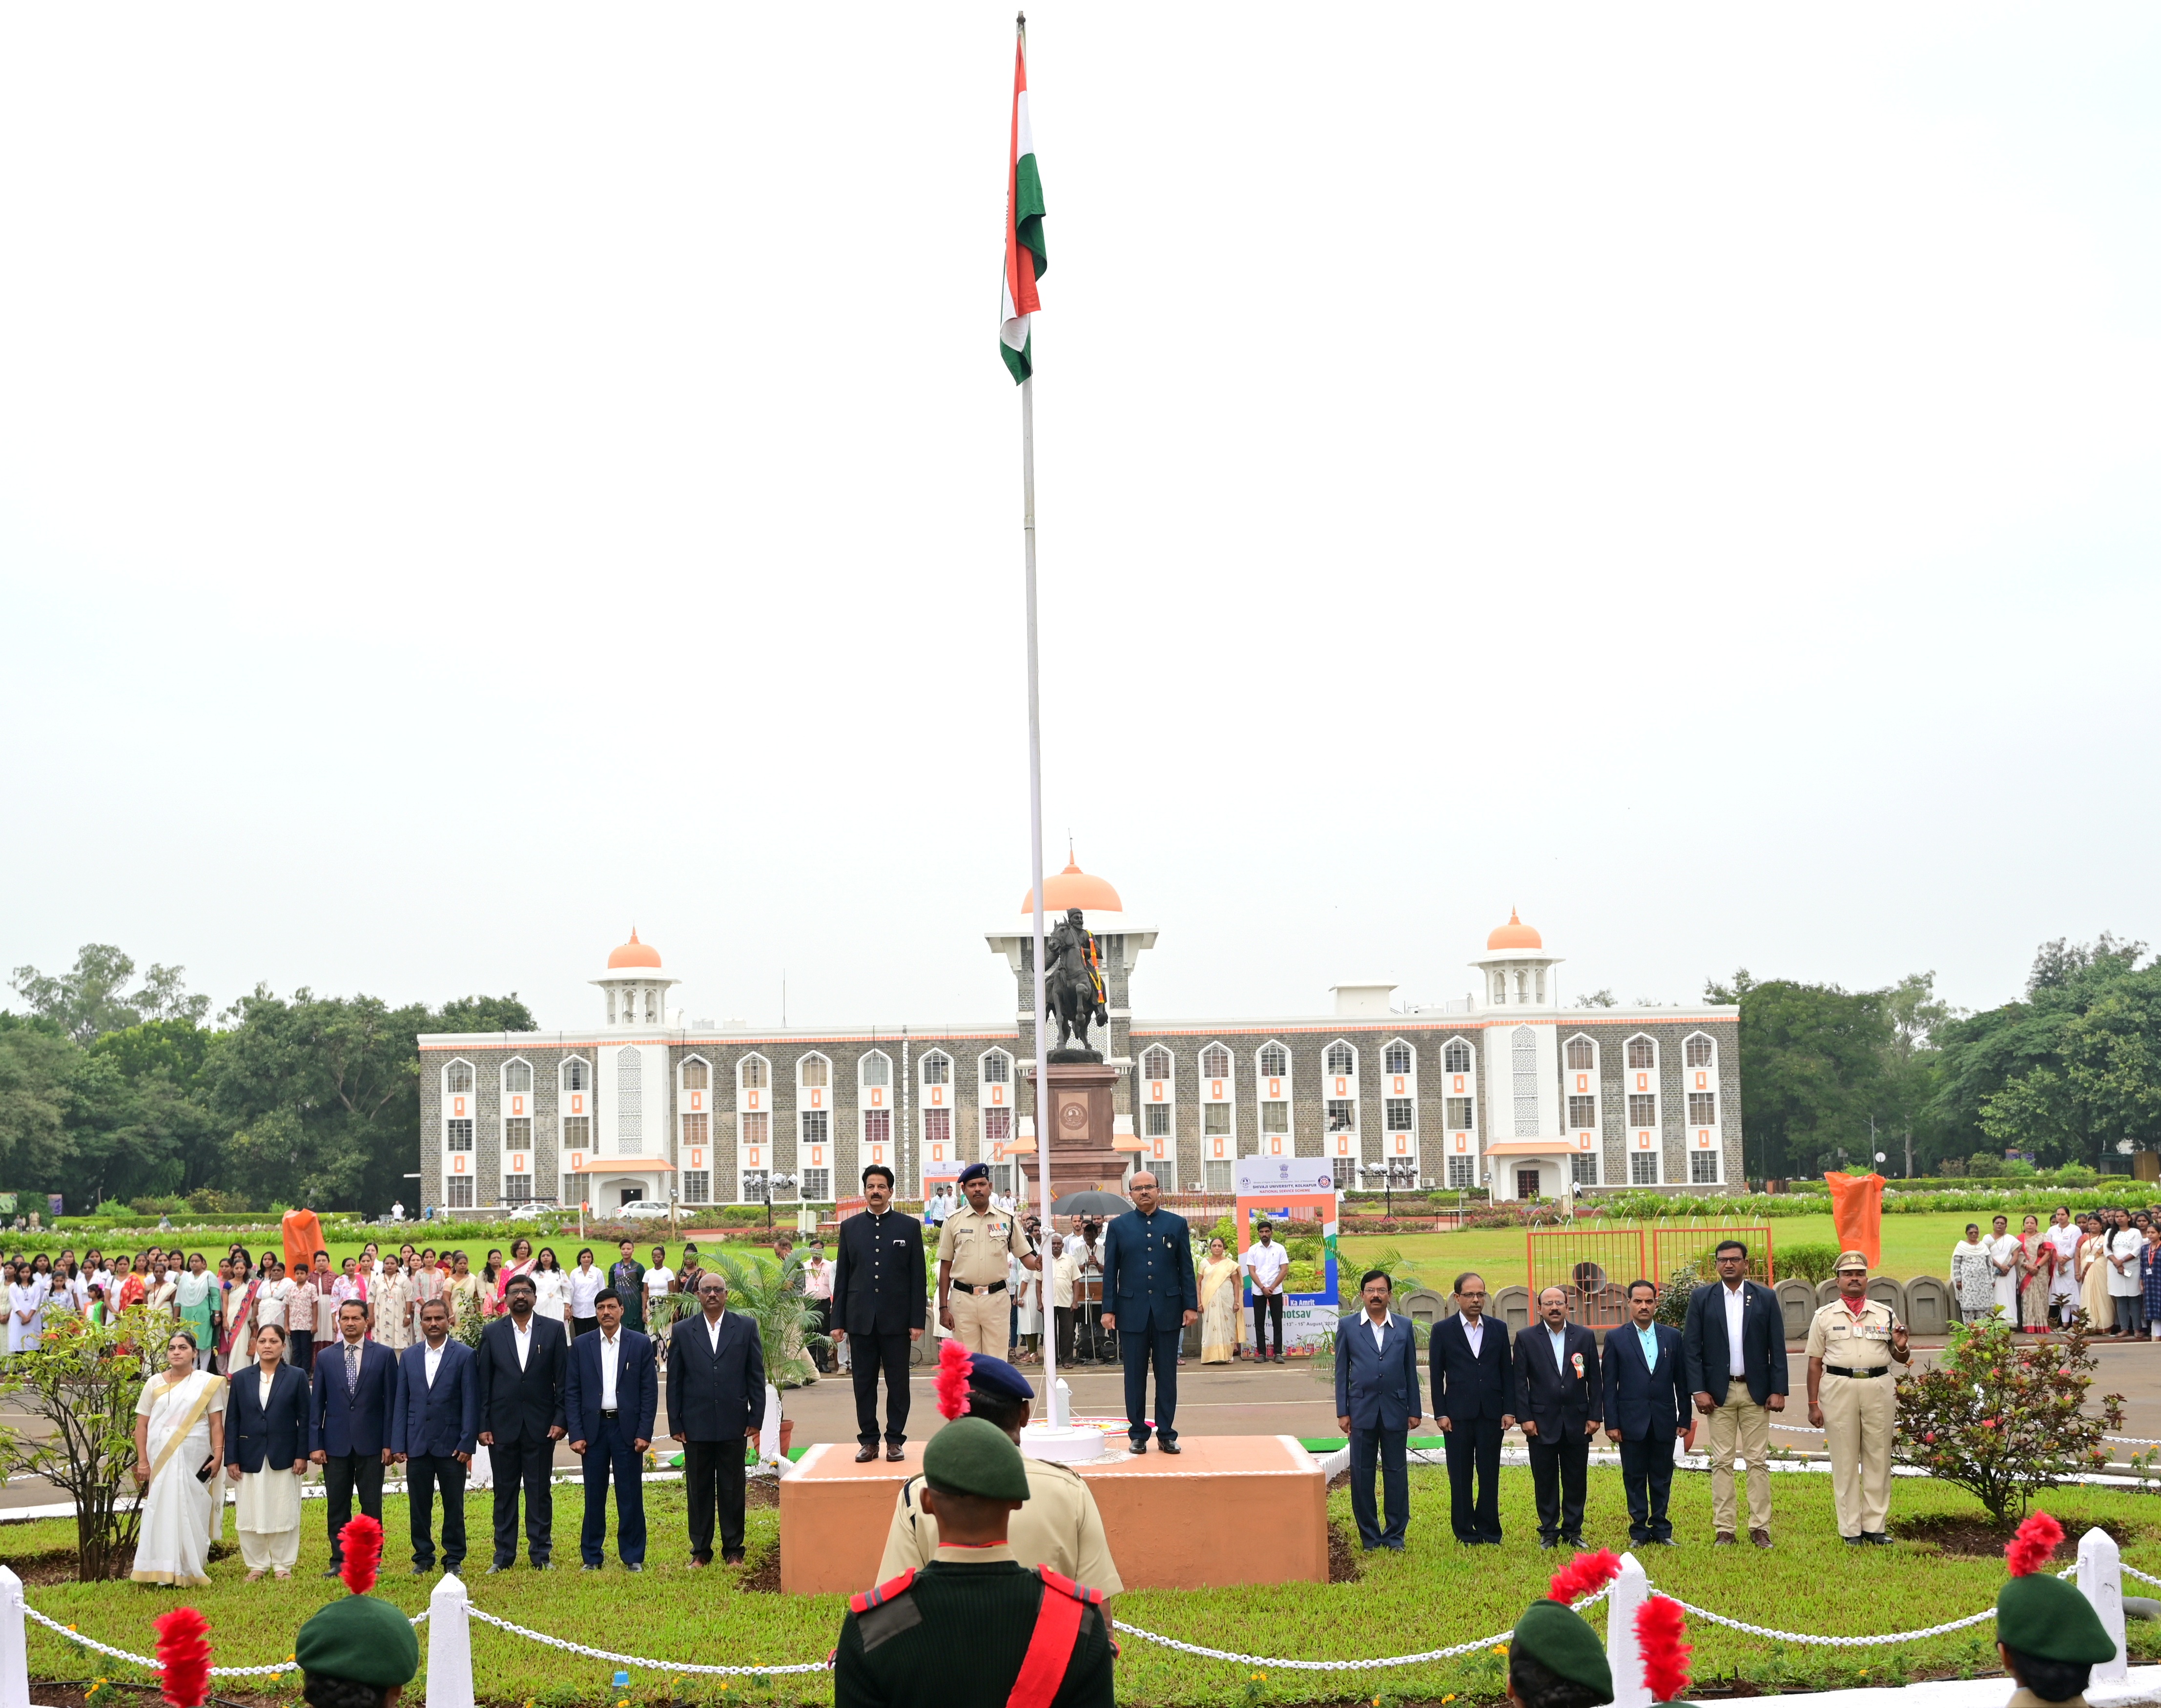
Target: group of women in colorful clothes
{"type": "Point", "coordinates": [2020, 1276]}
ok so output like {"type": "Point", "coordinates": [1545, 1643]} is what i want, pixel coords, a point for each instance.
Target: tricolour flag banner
{"type": "Point", "coordinates": [1025, 260]}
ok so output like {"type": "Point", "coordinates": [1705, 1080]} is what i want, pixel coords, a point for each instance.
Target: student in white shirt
{"type": "Point", "coordinates": [587, 1281]}
{"type": "Point", "coordinates": [1265, 1263]}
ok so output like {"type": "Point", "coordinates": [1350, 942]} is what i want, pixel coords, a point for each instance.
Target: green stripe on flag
{"type": "Point", "coordinates": [1021, 362]}
{"type": "Point", "coordinates": [1028, 211]}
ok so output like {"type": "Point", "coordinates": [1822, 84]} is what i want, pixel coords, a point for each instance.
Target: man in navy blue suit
{"type": "Point", "coordinates": [1561, 1398]}
{"type": "Point", "coordinates": [435, 1424]}
{"type": "Point", "coordinates": [611, 1395]}
{"type": "Point", "coordinates": [1377, 1405]}
{"type": "Point", "coordinates": [1734, 1342]}
{"type": "Point", "coordinates": [349, 1422]}
{"type": "Point", "coordinates": [1149, 1297]}
{"type": "Point", "coordinates": [1474, 1400]}
{"type": "Point", "coordinates": [1647, 1407]}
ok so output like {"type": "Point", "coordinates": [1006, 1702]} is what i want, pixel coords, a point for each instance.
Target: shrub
{"type": "Point", "coordinates": [206, 1201]}
{"type": "Point", "coordinates": [2002, 1414]}
{"type": "Point", "coordinates": [158, 1206]}
{"type": "Point", "coordinates": [1672, 1308]}
{"type": "Point", "coordinates": [1814, 1262]}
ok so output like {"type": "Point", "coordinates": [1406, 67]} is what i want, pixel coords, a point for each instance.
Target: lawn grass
{"type": "Point", "coordinates": [1433, 1596]}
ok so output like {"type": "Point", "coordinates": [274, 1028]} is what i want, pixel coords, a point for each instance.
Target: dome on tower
{"type": "Point", "coordinates": [634, 954]}
{"type": "Point", "coordinates": [1073, 888]}
{"type": "Point", "coordinates": [1514, 935]}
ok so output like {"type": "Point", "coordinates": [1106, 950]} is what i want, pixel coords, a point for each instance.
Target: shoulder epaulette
{"type": "Point", "coordinates": [1065, 1586]}
{"type": "Point", "coordinates": [864, 1601]}
{"type": "Point", "coordinates": [1035, 1464]}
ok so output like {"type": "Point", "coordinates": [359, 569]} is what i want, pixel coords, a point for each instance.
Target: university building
{"type": "Point", "coordinates": [1503, 1089]}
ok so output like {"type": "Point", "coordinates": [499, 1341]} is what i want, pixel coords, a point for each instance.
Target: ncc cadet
{"type": "Point", "coordinates": [2047, 1632]}
{"type": "Point", "coordinates": [972, 1249]}
{"type": "Point", "coordinates": [1556, 1660]}
{"type": "Point", "coordinates": [1060, 1526]}
{"type": "Point", "coordinates": [1853, 1398]}
{"type": "Point", "coordinates": [974, 1628]}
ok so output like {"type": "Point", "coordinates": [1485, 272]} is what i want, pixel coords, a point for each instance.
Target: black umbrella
{"type": "Point", "coordinates": [1092, 1203]}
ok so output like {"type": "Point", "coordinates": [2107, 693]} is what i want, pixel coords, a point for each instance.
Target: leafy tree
{"type": "Point", "coordinates": [1912, 1063]}
{"type": "Point", "coordinates": [1812, 1059]}
{"type": "Point", "coordinates": [37, 1097]}
{"type": "Point", "coordinates": [1597, 998]}
{"type": "Point", "coordinates": [91, 999]}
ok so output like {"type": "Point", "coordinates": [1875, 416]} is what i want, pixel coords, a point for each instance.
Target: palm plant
{"type": "Point", "coordinates": [787, 1321]}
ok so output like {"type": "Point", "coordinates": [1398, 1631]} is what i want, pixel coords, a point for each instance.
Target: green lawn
{"type": "Point", "coordinates": [1433, 1596]}
{"type": "Point", "coordinates": [1912, 1245]}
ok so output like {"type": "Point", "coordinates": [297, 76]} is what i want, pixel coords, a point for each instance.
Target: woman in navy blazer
{"type": "Point", "coordinates": [268, 1445]}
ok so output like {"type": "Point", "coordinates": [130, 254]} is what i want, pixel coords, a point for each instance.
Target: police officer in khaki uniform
{"type": "Point", "coordinates": [1060, 1526]}
{"type": "Point", "coordinates": [973, 1247]}
{"type": "Point", "coordinates": [1853, 1398]}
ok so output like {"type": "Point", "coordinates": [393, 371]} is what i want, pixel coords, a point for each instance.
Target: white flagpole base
{"type": "Point", "coordinates": [1073, 1445]}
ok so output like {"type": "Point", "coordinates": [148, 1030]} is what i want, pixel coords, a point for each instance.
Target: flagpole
{"type": "Point", "coordinates": [1044, 1290]}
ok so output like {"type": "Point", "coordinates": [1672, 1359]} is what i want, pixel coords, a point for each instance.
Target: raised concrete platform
{"type": "Point", "coordinates": [1164, 1514]}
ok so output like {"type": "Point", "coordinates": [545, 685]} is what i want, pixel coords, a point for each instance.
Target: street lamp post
{"type": "Point", "coordinates": [771, 1181]}
{"type": "Point", "coordinates": [1397, 1171]}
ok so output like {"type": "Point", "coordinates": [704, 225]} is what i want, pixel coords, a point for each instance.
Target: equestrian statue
{"type": "Point", "coordinates": [1074, 985]}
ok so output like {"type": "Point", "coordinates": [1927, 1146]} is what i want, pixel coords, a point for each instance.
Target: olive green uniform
{"type": "Point", "coordinates": [1861, 1413]}
{"type": "Point", "coordinates": [956, 1637]}
{"type": "Point", "coordinates": [977, 1244]}
{"type": "Point", "coordinates": [1059, 1528]}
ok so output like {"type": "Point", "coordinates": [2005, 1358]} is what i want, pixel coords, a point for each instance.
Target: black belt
{"type": "Point", "coordinates": [610, 1411]}
{"type": "Point", "coordinates": [993, 1287]}
{"type": "Point", "coordinates": [1861, 1375]}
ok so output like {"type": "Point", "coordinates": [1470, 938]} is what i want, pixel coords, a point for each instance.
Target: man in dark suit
{"type": "Point", "coordinates": [1377, 1405]}
{"type": "Point", "coordinates": [521, 1364]}
{"type": "Point", "coordinates": [1149, 1297]}
{"type": "Point", "coordinates": [716, 1397]}
{"type": "Point", "coordinates": [1561, 1399]}
{"type": "Point", "coordinates": [1734, 1342]}
{"type": "Point", "coordinates": [1647, 1402]}
{"type": "Point", "coordinates": [349, 1422]}
{"type": "Point", "coordinates": [274, 1433]}
{"type": "Point", "coordinates": [1474, 1399]}
{"type": "Point", "coordinates": [610, 1397]}
{"type": "Point", "coordinates": [434, 1427]}
{"type": "Point", "coordinates": [879, 1289]}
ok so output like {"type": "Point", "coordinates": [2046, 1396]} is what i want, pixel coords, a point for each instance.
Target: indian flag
{"type": "Point", "coordinates": [1025, 260]}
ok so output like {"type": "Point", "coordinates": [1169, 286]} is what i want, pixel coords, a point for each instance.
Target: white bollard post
{"type": "Point", "coordinates": [769, 1434]}
{"type": "Point", "coordinates": [2101, 1581]}
{"type": "Point", "coordinates": [1631, 1590]}
{"type": "Point", "coordinates": [450, 1645]}
{"type": "Point", "coordinates": [15, 1649]}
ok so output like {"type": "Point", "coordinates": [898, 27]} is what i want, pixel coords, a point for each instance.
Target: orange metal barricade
{"type": "Point", "coordinates": [1594, 1265]}
{"type": "Point", "coordinates": [1672, 1246]}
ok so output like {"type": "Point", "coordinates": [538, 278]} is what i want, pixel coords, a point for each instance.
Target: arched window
{"type": "Point", "coordinates": [1155, 1063]}
{"type": "Point", "coordinates": [696, 1075]}
{"type": "Point", "coordinates": [457, 1077]}
{"type": "Point", "coordinates": [938, 1068]}
{"type": "Point", "coordinates": [813, 1071]}
{"type": "Point", "coordinates": [1456, 1057]}
{"type": "Point", "coordinates": [998, 1068]}
{"type": "Point", "coordinates": [1275, 1061]}
{"type": "Point", "coordinates": [1582, 1056]}
{"type": "Point", "coordinates": [877, 1068]}
{"type": "Point", "coordinates": [577, 1074]}
{"type": "Point", "coordinates": [1500, 987]}
{"type": "Point", "coordinates": [1698, 1051]}
{"type": "Point", "coordinates": [517, 1076]}
{"type": "Point", "coordinates": [1396, 1058]}
{"type": "Point", "coordinates": [1643, 1052]}
{"type": "Point", "coordinates": [1342, 1058]}
{"type": "Point", "coordinates": [1215, 1062]}
{"type": "Point", "coordinates": [753, 1074]}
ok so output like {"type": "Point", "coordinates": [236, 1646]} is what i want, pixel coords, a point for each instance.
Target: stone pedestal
{"type": "Point", "coordinates": [1076, 1118]}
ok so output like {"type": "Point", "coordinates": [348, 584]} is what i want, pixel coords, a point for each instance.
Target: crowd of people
{"type": "Point", "coordinates": [2105, 1262]}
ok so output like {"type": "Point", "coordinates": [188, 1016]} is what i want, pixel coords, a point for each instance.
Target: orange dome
{"type": "Point", "coordinates": [1073, 888]}
{"type": "Point", "coordinates": [634, 954]}
{"type": "Point", "coordinates": [1514, 935]}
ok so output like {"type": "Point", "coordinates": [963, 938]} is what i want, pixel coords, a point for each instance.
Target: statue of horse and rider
{"type": "Point", "coordinates": [1074, 983]}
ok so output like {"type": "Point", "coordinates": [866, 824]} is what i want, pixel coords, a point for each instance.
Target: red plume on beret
{"type": "Point", "coordinates": [955, 1366]}
{"type": "Point", "coordinates": [360, 1542]}
{"type": "Point", "coordinates": [1585, 1573]}
{"type": "Point", "coordinates": [1658, 1630]}
{"type": "Point", "coordinates": [2034, 1545]}
{"type": "Point", "coordinates": [184, 1657]}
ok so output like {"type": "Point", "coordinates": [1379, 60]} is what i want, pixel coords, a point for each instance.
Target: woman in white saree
{"type": "Point", "coordinates": [180, 1427]}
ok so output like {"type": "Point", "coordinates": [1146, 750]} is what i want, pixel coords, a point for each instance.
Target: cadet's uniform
{"type": "Point", "coordinates": [977, 1244]}
{"type": "Point", "coordinates": [1860, 1401]}
{"type": "Point", "coordinates": [1059, 1528]}
{"type": "Point", "coordinates": [2040, 1618]}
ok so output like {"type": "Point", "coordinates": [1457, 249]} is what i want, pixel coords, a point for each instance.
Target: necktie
{"type": "Point", "coordinates": [351, 1367]}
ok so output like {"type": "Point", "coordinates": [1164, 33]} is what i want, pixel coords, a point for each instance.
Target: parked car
{"type": "Point", "coordinates": [644, 1210]}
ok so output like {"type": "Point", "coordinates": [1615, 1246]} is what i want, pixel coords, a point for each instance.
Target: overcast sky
{"type": "Point", "coordinates": [474, 478]}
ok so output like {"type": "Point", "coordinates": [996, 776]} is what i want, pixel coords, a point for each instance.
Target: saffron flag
{"type": "Point", "coordinates": [1025, 260]}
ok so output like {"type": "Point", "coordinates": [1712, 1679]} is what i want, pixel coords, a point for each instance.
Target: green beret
{"type": "Point", "coordinates": [971, 1456]}
{"type": "Point", "coordinates": [2045, 1617]}
{"type": "Point", "coordinates": [1559, 1640]}
{"type": "Point", "coordinates": [360, 1638]}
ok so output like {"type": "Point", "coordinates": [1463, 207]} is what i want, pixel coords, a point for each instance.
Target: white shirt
{"type": "Point", "coordinates": [262, 1389]}
{"type": "Point", "coordinates": [523, 1338]}
{"type": "Point", "coordinates": [2125, 1283]}
{"type": "Point", "coordinates": [1736, 1299]}
{"type": "Point", "coordinates": [1557, 1338]}
{"type": "Point", "coordinates": [269, 1301]}
{"type": "Point", "coordinates": [1475, 1333]}
{"type": "Point", "coordinates": [585, 1285]}
{"type": "Point", "coordinates": [713, 1330]}
{"type": "Point", "coordinates": [611, 1360]}
{"type": "Point", "coordinates": [1266, 1263]}
{"type": "Point", "coordinates": [431, 1359]}
{"type": "Point", "coordinates": [1380, 1330]}
{"type": "Point", "coordinates": [658, 1280]}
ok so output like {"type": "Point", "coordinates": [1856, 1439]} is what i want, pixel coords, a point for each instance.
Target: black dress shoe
{"type": "Point", "coordinates": [589, 1566]}
{"type": "Point", "coordinates": [1548, 1542]}
{"type": "Point", "coordinates": [333, 1571]}
{"type": "Point", "coordinates": [422, 1570]}
{"type": "Point", "coordinates": [896, 1453]}
{"type": "Point", "coordinates": [865, 1455]}
{"type": "Point", "coordinates": [1170, 1447]}
{"type": "Point", "coordinates": [1876, 1538]}
{"type": "Point", "coordinates": [494, 1566]}
{"type": "Point", "coordinates": [635, 1565]}
{"type": "Point", "coordinates": [1575, 1541]}
{"type": "Point", "coordinates": [1138, 1447]}
{"type": "Point", "coordinates": [734, 1558]}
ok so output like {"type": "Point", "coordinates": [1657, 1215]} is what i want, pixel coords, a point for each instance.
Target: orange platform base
{"type": "Point", "coordinates": [1164, 1515]}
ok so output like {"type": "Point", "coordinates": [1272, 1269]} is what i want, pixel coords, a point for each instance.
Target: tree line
{"type": "Point", "coordinates": [112, 1088]}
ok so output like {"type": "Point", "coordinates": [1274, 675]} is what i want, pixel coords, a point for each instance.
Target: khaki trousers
{"type": "Point", "coordinates": [980, 1319]}
{"type": "Point", "coordinates": [1740, 1418]}
{"type": "Point", "coordinates": [1859, 1413]}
